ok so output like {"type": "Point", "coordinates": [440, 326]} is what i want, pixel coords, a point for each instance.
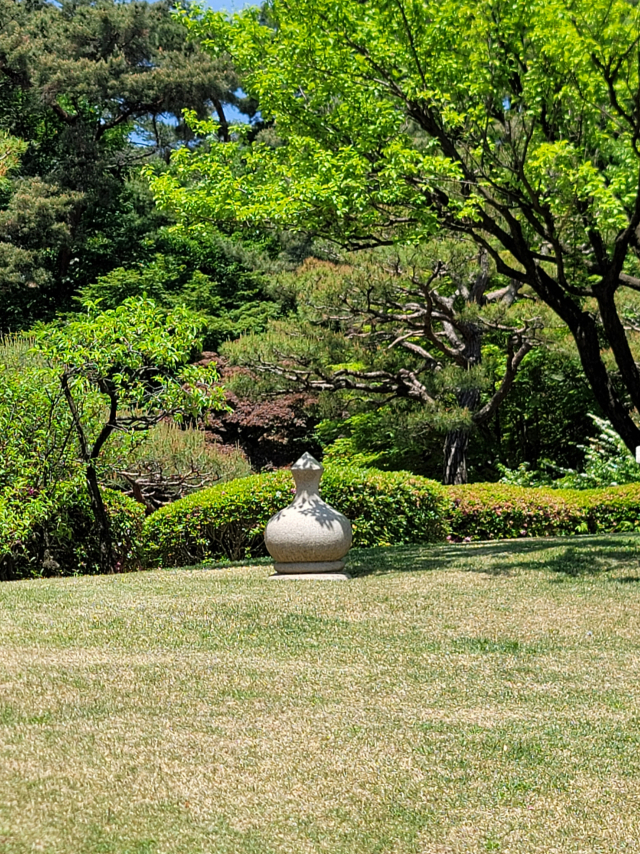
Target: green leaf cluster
{"type": "Point", "coordinates": [607, 462]}
{"type": "Point", "coordinates": [137, 355]}
{"type": "Point", "coordinates": [369, 101]}
{"type": "Point", "coordinates": [213, 276]}
{"type": "Point", "coordinates": [53, 532]}
{"type": "Point", "coordinates": [37, 443]}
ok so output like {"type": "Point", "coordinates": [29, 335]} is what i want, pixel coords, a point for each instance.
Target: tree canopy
{"type": "Point", "coordinates": [138, 359]}
{"type": "Point", "coordinates": [89, 90]}
{"type": "Point", "coordinates": [516, 125]}
{"type": "Point", "coordinates": [427, 326]}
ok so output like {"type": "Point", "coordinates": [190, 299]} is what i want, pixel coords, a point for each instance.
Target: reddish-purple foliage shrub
{"type": "Point", "coordinates": [272, 433]}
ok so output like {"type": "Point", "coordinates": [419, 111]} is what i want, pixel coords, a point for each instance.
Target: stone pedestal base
{"type": "Point", "coordinates": [306, 566]}
{"type": "Point", "coordinates": [311, 576]}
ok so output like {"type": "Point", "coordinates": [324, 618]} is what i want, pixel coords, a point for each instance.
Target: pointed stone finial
{"type": "Point", "coordinates": [306, 461]}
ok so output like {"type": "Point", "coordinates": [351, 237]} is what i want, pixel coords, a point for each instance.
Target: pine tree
{"type": "Point", "coordinates": [92, 89]}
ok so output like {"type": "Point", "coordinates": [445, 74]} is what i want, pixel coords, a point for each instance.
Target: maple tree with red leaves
{"type": "Point", "coordinates": [273, 432]}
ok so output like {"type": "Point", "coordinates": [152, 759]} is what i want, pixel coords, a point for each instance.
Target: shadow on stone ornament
{"type": "Point", "coordinates": [308, 539]}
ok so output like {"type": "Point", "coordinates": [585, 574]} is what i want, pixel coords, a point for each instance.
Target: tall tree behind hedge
{"type": "Point", "coordinates": [515, 124]}
{"type": "Point", "coordinates": [92, 89]}
{"type": "Point", "coordinates": [415, 326]}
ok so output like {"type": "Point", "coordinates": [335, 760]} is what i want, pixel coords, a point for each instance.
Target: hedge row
{"type": "Point", "coordinates": [228, 520]}
{"type": "Point", "coordinates": [43, 535]}
{"type": "Point", "coordinates": [494, 511]}
{"type": "Point", "coordinates": [385, 508]}
{"type": "Point", "coordinates": [40, 537]}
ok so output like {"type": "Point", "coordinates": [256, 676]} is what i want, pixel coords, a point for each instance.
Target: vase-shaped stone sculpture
{"type": "Point", "coordinates": [308, 536]}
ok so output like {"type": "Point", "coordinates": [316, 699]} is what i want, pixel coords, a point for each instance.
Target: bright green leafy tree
{"type": "Point", "coordinates": [137, 358]}
{"type": "Point", "coordinates": [516, 125]}
{"type": "Point", "coordinates": [210, 274]}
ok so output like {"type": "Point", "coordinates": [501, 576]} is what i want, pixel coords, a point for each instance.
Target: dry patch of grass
{"type": "Point", "coordinates": [453, 699]}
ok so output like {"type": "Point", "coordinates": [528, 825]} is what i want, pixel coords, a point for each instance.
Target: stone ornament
{"type": "Point", "coordinates": [308, 536]}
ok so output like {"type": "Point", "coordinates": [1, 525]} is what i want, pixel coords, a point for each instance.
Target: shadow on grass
{"type": "Point", "coordinates": [581, 556]}
{"type": "Point", "coordinates": [574, 557]}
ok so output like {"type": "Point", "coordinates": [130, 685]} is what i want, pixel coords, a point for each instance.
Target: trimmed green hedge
{"type": "Point", "coordinates": [44, 535]}
{"type": "Point", "coordinates": [40, 537]}
{"type": "Point", "coordinates": [495, 511]}
{"type": "Point", "coordinates": [385, 508]}
{"type": "Point", "coordinates": [228, 520]}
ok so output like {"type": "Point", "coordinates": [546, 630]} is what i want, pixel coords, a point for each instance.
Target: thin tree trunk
{"type": "Point", "coordinates": [456, 442]}
{"type": "Point", "coordinates": [102, 520]}
{"type": "Point", "coordinates": [95, 496]}
{"type": "Point", "coordinates": [455, 457]}
{"type": "Point", "coordinates": [585, 334]}
{"type": "Point", "coordinates": [586, 337]}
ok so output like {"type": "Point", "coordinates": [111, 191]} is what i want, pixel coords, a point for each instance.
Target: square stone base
{"type": "Point", "coordinates": [300, 567]}
{"type": "Point", "coordinates": [311, 576]}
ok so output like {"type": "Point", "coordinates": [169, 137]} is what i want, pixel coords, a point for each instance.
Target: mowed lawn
{"type": "Point", "coordinates": [463, 698]}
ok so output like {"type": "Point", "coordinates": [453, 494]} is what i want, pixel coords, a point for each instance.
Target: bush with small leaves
{"type": "Point", "coordinates": [496, 511]}
{"type": "Point", "coordinates": [53, 532]}
{"type": "Point", "coordinates": [228, 521]}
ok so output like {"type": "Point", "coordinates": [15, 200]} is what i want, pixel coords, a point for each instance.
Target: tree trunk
{"type": "Point", "coordinates": [585, 334]}
{"type": "Point", "coordinates": [100, 516]}
{"type": "Point", "coordinates": [457, 441]}
{"type": "Point", "coordinates": [102, 520]}
{"type": "Point", "coordinates": [586, 337]}
{"type": "Point", "coordinates": [455, 457]}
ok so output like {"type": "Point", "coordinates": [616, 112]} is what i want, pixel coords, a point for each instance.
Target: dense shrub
{"type": "Point", "coordinates": [42, 535]}
{"type": "Point", "coordinates": [228, 520]}
{"type": "Point", "coordinates": [492, 511]}
{"type": "Point", "coordinates": [37, 445]}
{"type": "Point", "coordinates": [173, 461]}
{"type": "Point", "coordinates": [55, 534]}
{"type": "Point", "coordinates": [607, 462]}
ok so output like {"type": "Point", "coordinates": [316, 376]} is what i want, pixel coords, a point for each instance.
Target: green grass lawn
{"type": "Point", "coordinates": [455, 699]}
